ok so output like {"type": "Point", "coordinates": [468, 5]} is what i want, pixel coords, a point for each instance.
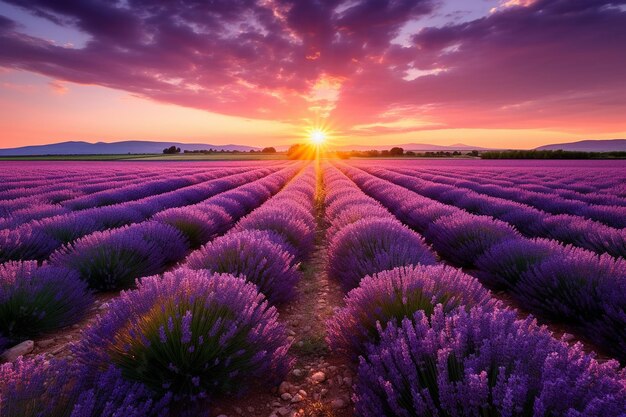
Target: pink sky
{"type": "Point", "coordinates": [488, 73]}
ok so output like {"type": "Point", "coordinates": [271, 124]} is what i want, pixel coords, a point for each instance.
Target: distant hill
{"type": "Point", "coordinates": [411, 147]}
{"type": "Point", "coordinates": [608, 145]}
{"type": "Point", "coordinates": [114, 148]}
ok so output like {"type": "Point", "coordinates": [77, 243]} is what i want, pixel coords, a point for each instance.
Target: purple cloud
{"type": "Point", "coordinates": [543, 63]}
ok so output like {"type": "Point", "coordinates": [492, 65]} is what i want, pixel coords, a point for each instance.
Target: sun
{"type": "Point", "coordinates": [317, 137]}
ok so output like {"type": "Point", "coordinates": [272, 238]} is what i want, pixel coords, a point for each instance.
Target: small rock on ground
{"type": "Point", "coordinates": [16, 351]}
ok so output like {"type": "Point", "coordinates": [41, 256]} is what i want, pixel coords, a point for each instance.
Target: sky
{"type": "Point", "coordinates": [491, 73]}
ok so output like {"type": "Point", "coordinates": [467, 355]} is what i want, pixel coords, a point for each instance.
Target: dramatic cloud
{"type": "Point", "coordinates": [543, 63]}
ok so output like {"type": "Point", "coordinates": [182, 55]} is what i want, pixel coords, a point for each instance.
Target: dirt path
{"type": "Point", "coordinates": [320, 383]}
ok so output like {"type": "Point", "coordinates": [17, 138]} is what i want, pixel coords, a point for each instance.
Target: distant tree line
{"type": "Point", "coordinates": [398, 152]}
{"type": "Point", "coordinates": [558, 154]}
{"type": "Point", "coordinates": [171, 150]}
{"type": "Point", "coordinates": [175, 150]}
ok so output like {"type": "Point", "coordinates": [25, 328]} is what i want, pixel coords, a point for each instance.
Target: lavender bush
{"type": "Point", "coordinates": [353, 214]}
{"type": "Point", "coordinates": [230, 204]}
{"type": "Point", "coordinates": [422, 217]}
{"type": "Point", "coordinates": [501, 266]}
{"type": "Point", "coordinates": [585, 290]}
{"type": "Point", "coordinates": [571, 286]}
{"type": "Point", "coordinates": [259, 256]}
{"type": "Point", "coordinates": [114, 216]}
{"type": "Point", "coordinates": [246, 198]}
{"type": "Point", "coordinates": [372, 245]}
{"type": "Point", "coordinates": [390, 296]}
{"type": "Point", "coordinates": [353, 199]}
{"type": "Point", "coordinates": [25, 243]}
{"type": "Point", "coordinates": [113, 259]}
{"type": "Point", "coordinates": [67, 228]}
{"type": "Point", "coordinates": [463, 237]}
{"type": "Point", "coordinates": [297, 232]}
{"type": "Point", "coordinates": [586, 234]}
{"type": "Point", "coordinates": [39, 387]}
{"type": "Point", "coordinates": [36, 299]}
{"type": "Point", "coordinates": [483, 363]}
{"type": "Point", "coordinates": [194, 224]}
{"type": "Point", "coordinates": [191, 333]}
{"type": "Point", "coordinates": [284, 203]}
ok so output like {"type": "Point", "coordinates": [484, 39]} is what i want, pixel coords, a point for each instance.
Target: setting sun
{"type": "Point", "coordinates": [317, 137]}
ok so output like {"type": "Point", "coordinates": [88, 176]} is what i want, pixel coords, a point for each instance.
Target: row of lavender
{"type": "Point", "coordinates": [39, 203]}
{"type": "Point", "coordinates": [532, 222]}
{"type": "Point", "coordinates": [204, 329]}
{"type": "Point", "coordinates": [432, 341]}
{"type": "Point", "coordinates": [591, 188]}
{"type": "Point", "coordinates": [610, 210]}
{"type": "Point", "coordinates": [37, 239]}
{"type": "Point", "coordinates": [563, 283]}
{"type": "Point", "coordinates": [574, 180]}
{"type": "Point", "coordinates": [23, 176]}
{"type": "Point", "coordinates": [48, 194]}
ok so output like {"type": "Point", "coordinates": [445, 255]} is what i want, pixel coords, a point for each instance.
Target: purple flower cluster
{"type": "Point", "coordinates": [39, 387]}
{"type": "Point", "coordinates": [25, 243]}
{"type": "Point", "coordinates": [191, 333]}
{"type": "Point", "coordinates": [297, 229]}
{"type": "Point", "coordinates": [345, 204]}
{"type": "Point", "coordinates": [501, 266]}
{"type": "Point", "coordinates": [196, 225]}
{"type": "Point", "coordinates": [463, 237]}
{"type": "Point", "coordinates": [582, 289]}
{"type": "Point", "coordinates": [390, 296]}
{"type": "Point", "coordinates": [258, 256]}
{"type": "Point", "coordinates": [117, 194]}
{"type": "Point", "coordinates": [372, 245]}
{"type": "Point", "coordinates": [585, 234]}
{"type": "Point", "coordinates": [113, 259]}
{"type": "Point", "coordinates": [533, 197]}
{"type": "Point", "coordinates": [483, 363]}
{"type": "Point", "coordinates": [36, 299]}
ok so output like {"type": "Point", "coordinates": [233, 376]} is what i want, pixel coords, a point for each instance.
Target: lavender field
{"type": "Point", "coordinates": [313, 288]}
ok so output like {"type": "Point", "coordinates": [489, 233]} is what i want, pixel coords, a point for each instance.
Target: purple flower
{"type": "Point", "coordinates": [39, 387]}
{"type": "Point", "coordinates": [186, 327]}
{"type": "Point", "coordinates": [372, 245]}
{"type": "Point", "coordinates": [463, 237]}
{"type": "Point", "coordinates": [197, 227]}
{"type": "Point", "coordinates": [258, 256]}
{"type": "Point", "coordinates": [501, 266]}
{"type": "Point", "coordinates": [297, 232]}
{"type": "Point", "coordinates": [115, 258]}
{"type": "Point", "coordinates": [36, 299]}
{"type": "Point", "coordinates": [235, 335]}
{"type": "Point", "coordinates": [390, 296]}
{"type": "Point", "coordinates": [483, 363]}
